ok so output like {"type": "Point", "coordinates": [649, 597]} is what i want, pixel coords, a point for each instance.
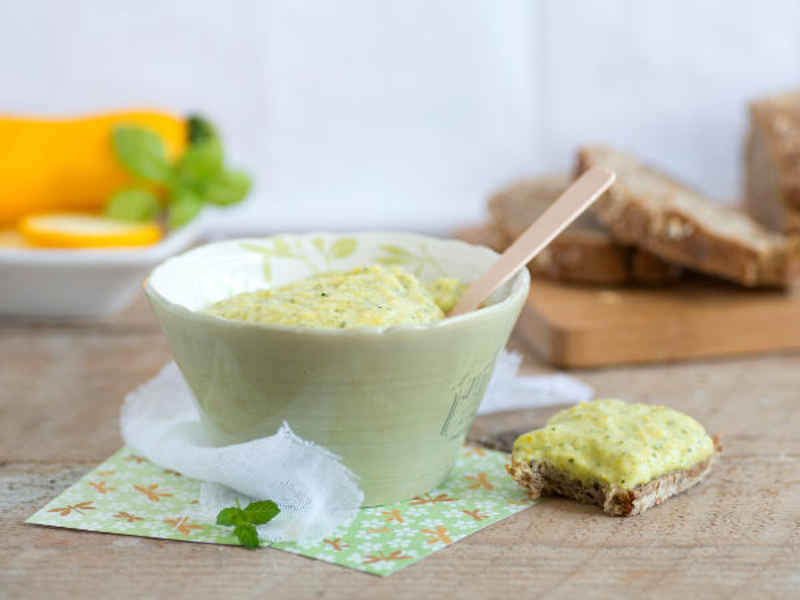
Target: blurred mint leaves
{"type": "Point", "coordinates": [199, 177]}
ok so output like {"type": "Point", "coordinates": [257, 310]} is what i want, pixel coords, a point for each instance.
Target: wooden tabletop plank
{"type": "Point", "coordinates": [738, 534]}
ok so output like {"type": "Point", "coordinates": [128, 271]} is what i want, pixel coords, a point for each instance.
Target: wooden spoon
{"type": "Point", "coordinates": [569, 206]}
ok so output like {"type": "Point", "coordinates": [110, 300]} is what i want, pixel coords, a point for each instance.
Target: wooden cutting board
{"type": "Point", "coordinates": [573, 326]}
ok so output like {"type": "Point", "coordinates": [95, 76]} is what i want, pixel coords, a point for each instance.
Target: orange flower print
{"type": "Point", "coordinates": [519, 502]}
{"type": "Point", "coordinates": [78, 508]}
{"type": "Point", "coordinates": [381, 557]}
{"type": "Point", "coordinates": [171, 472]}
{"type": "Point", "coordinates": [152, 492]}
{"type": "Point", "coordinates": [428, 499]}
{"type": "Point", "coordinates": [473, 451]}
{"type": "Point", "coordinates": [106, 473]}
{"type": "Point", "coordinates": [480, 481]}
{"type": "Point", "coordinates": [439, 535]}
{"type": "Point", "coordinates": [393, 515]}
{"type": "Point", "coordinates": [138, 459]}
{"type": "Point", "coordinates": [183, 525]}
{"type": "Point", "coordinates": [336, 544]}
{"type": "Point", "coordinates": [475, 514]}
{"type": "Point", "coordinates": [127, 516]}
{"type": "Point", "coordinates": [379, 530]}
{"type": "Point", "coordinates": [101, 488]}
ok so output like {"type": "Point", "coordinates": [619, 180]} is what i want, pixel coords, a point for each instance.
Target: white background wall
{"type": "Point", "coordinates": [365, 113]}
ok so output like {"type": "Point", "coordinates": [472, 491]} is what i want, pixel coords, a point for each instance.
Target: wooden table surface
{"type": "Point", "coordinates": [737, 535]}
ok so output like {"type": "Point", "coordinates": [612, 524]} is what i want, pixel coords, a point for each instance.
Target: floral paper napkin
{"type": "Point", "coordinates": [128, 495]}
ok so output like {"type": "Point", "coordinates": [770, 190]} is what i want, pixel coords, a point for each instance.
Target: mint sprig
{"type": "Point", "coordinates": [142, 151]}
{"type": "Point", "coordinates": [197, 178]}
{"type": "Point", "coordinates": [244, 520]}
{"type": "Point", "coordinates": [133, 204]}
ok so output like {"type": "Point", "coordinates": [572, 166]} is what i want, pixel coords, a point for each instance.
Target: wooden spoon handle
{"type": "Point", "coordinates": [569, 206]}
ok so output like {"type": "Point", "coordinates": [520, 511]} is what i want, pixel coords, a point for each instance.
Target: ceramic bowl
{"type": "Point", "coordinates": [394, 402]}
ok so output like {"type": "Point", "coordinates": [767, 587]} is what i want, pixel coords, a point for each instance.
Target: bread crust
{"type": "Point", "coordinates": [650, 210]}
{"type": "Point", "coordinates": [542, 479]}
{"type": "Point", "coordinates": [777, 119]}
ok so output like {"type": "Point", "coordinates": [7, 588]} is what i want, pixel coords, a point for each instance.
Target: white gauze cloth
{"type": "Point", "coordinates": [315, 491]}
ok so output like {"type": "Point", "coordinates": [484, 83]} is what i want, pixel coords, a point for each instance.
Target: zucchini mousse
{"type": "Point", "coordinates": [624, 457]}
{"type": "Point", "coordinates": [371, 296]}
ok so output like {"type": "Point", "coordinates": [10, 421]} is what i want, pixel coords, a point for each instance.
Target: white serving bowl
{"type": "Point", "coordinates": [56, 283]}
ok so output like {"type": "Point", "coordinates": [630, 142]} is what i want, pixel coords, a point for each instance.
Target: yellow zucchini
{"type": "Point", "coordinates": [69, 164]}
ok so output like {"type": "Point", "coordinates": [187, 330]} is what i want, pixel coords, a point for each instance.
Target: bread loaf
{"type": "Point", "coordinates": [773, 162]}
{"type": "Point", "coordinates": [584, 252]}
{"type": "Point", "coordinates": [655, 212]}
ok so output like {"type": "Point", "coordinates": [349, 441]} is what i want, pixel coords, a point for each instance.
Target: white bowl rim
{"type": "Point", "coordinates": [519, 286]}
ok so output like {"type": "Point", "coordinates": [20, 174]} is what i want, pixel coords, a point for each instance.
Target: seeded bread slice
{"type": "Point", "coordinates": [656, 213]}
{"type": "Point", "coordinates": [584, 252]}
{"type": "Point", "coordinates": [773, 162]}
{"type": "Point", "coordinates": [542, 479]}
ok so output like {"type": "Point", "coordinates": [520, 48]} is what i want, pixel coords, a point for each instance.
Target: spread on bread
{"type": "Point", "coordinates": [619, 444]}
{"type": "Point", "coordinates": [625, 457]}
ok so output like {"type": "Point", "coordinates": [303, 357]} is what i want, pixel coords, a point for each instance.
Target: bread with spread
{"type": "Point", "coordinates": [654, 212]}
{"type": "Point", "coordinates": [624, 457]}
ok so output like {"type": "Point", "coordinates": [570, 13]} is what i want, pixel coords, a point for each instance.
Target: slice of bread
{"type": "Point", "coordinates": [544, 479]}
{"type": "Point", "coordinates": [584, 252]}
{"type": "Point", "coordinates": [656, 213]}
{"type": "Point", "coordinates": [773, 162]}
{"type": "Point", "coordinates": [483, 235]}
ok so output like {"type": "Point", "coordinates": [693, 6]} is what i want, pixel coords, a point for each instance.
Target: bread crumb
{"type": "Point", "coordinates": [676, 229]}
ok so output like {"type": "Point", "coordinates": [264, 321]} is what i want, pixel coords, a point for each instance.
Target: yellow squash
{"type": "Point", "coordinates": [75, 230]}
{"type": "Point", "coordinates": [69, 164]}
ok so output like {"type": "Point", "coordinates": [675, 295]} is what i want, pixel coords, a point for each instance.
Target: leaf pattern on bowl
{"type": "Point", "coordinates": [337, 249]}
{"type": "Point", "coordinates": [397, 255]}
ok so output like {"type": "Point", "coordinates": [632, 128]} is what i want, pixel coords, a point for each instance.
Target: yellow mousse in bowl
{"type": "Point", "coordinates": [618, 444]}
{"type": "Point", "coordinates": [371, 296]}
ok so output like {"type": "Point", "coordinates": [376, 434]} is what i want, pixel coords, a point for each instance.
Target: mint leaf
{"type": "Point", "coordinates": [261, 512]}
{"type": "Point", "coordinates": [201, 161]}
{"type": "Point", "coordinates": [226, 187]}
{"type": "Point", "coordinates": [142, 152]}
{"type": "Point", "coordinates": [200, 129]}
{"type": "Point", "coordinates": [245, 520]}
{"type": "Point", "coordinates": [184, 207]}
{"type": "Point", "coordinates": [133, 205]}
{"type": "Point", "coordinates": [231, 516]}
{"type": "Point", "coordinates": [248, 536]}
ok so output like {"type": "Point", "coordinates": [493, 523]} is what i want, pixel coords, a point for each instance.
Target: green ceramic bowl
{"type": "Point", "coordinates": [394, 402]}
